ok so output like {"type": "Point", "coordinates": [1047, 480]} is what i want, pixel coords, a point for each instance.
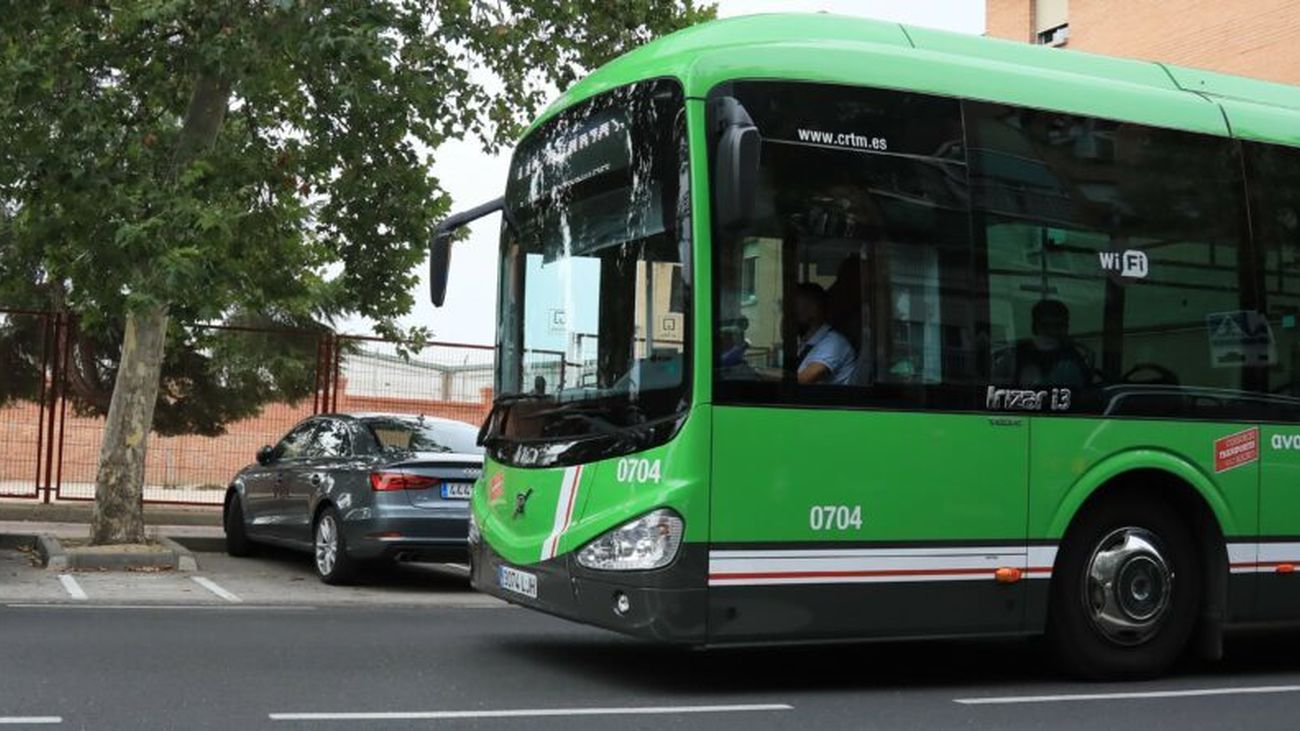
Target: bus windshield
{"type": "Point", "coordinates": [594, 297]}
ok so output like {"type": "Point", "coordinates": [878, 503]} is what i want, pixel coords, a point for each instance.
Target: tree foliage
{"type": "Point", "coordinates": [314, 197]}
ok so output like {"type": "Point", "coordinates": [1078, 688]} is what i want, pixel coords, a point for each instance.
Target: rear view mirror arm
{"type": "Point", "coordinates": [440, 245]}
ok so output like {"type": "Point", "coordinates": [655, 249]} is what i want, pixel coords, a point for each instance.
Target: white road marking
{"type": "Point", "coordinates": [461, 566]}
{"type": "Point", "coordinates": [26, 720]}
{"type": "Point", "coordinates": [1137, 695]}
{"type": "Point", "coordinates": [526, 713]}
{"type": "Point", "coordinates": [216, 588]}
{"type": "Point", "coordinates": [71, 586]}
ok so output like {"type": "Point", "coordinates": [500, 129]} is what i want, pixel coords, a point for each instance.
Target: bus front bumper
{"type": "Point", "coordinates": [667, 605]}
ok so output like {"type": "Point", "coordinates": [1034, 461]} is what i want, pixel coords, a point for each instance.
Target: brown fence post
{"type": "Point", "coordinates": [51, 403]}
{"type": "Point", "coordinates": [46, 338]}
{"type": "Point", "coordinates": [338, 364]}
{"type": "Point", "coordinates": [66, 349]}
{"type": "Point", "coordinates": [320, 373]}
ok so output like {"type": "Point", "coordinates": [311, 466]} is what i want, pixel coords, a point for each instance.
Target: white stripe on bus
{"type": "Point", "coordinates": [565, 504]}
{"type": "Point", "coordinates": [884, 565]}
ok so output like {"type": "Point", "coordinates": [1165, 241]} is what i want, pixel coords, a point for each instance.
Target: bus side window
{"type": "Point", "coordinates": [1111, 250]}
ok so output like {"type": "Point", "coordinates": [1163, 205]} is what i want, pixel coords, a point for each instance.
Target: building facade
{"type": "Point", "coordinates": [1256, 38]}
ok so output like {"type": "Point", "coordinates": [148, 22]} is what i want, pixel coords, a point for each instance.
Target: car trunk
{"type": "Point", "coordinates": [455, 474]}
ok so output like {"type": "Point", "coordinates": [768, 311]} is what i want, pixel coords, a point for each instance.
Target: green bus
{"type": "Point", "coordinates": [814, 328]}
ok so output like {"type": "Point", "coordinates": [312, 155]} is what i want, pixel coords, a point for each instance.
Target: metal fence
{"type": "Point", "coordinates": [50, 442]}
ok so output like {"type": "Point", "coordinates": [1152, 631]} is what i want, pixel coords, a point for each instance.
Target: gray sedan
{"type": "Point", "coordinates": [353, 488]}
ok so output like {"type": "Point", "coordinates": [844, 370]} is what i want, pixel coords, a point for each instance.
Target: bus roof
{"type": "Point", "coordinates": [850, 50]}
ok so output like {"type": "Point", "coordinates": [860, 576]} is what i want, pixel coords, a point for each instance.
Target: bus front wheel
{"type": "Point", "coordinates": [1125, 590]}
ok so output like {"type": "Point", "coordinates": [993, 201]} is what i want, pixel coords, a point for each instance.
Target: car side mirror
{"type": "Point", "coordinates": [735, 184]}
{"type": "Point", "coordinates": [266, 455]}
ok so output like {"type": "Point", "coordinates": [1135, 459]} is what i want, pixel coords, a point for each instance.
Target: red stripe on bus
{"type": "Point", "coordinates": [573, 496]}
{"type": "Point", "coordinates": [1260, 564]}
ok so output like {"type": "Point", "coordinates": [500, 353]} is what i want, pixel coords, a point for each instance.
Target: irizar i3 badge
{"type": "Point", "coordinates": [521, 502]}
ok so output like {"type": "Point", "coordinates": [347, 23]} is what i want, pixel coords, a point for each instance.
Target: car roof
{"type": "Point", "coordinates": [377, 415]}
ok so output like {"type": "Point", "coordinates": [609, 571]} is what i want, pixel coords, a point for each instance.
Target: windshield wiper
{"type": "Point", "coordinates": [486, 435]}
{"type": "Point", "coordinates": [593, 413]}
{"type": "Point", "coordinates": [517, 397]}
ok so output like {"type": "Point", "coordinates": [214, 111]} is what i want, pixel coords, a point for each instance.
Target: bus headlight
{"type": "Point", "coordinates": [649, 542]}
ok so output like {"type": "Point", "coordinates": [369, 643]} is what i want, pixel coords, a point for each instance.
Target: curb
{"type": "Point", "coordinates": [202, 544]}
{"type": "Point", "coordinates": [80, 512]}
{"type": "Point", "coordinates": [185, 561]}
{"type": "Point", "coordinates": [18, 540]}
{"type": "Point", "coordinates": [51, 551]}
{"type": "Point", "coordinates": [55, 558]}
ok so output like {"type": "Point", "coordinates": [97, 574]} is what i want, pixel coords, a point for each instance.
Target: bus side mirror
{"type": "Point", "coordinates": [439, 266]}
{"type": "Point", "coordinates": [440, 246]}
{"type": "Point", "coordinates": [735, 172]}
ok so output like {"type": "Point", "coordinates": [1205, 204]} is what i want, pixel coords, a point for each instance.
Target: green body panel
{"type": "Point", "coordinates": [1071, 457]}
{"type": "Point", "coordinates": [916, 476]}
{"type": "Point", "coordinates": [701, 256]}
{"type": "Point", "coordinates": [1262, 123]}
{"type": "Point", "coordinates": [602, 503]}
{"type": "Point", "coordinates": [1279, 494]}
{"type": "Point", "coordinates": [859, 51]}
{"type": "Point", "coordinates": [1226, 86]}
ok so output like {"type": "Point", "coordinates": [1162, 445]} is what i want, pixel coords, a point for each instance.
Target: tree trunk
{"type": "Point", "coordinates": [119, 484]}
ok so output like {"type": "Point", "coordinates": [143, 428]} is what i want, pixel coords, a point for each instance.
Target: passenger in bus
{"type": "Point", "coordinates": [825, 356]}
{"type": "Point", "coordinates": [732, 343]}
{"type": "Point", "coordinates": [1050, 357]}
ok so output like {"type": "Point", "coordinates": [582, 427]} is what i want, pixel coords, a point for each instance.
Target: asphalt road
{"type": "Point", "coordinates": [245, 667]}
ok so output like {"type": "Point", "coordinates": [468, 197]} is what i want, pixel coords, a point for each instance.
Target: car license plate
{"type": "Point", "coordinates": [457, 490]}
{"type": "Point", "coordinates": [516, 581]}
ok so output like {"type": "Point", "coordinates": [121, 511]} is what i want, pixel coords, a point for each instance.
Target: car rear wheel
{"type": "Point", "coordinates": [1125, 591]}
{"type": "Point", "coordinates": [237, 541]}
{"type": "Point", "coordinates": [333, 565]}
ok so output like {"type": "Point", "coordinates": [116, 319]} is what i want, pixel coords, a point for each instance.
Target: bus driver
{"type": "Point", "coordinates": [825, 355]}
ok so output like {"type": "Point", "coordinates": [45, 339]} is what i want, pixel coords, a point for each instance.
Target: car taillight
{"type": "Point", "coordinates": [386, 481]}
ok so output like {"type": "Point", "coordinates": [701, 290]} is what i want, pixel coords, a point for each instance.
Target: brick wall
{"type": "Point", "coordinates": [1256, 38]}
{"type": "Point", "coordinates": [189, 468]}
{"type": "Point", "coordinates": [1010, 19]}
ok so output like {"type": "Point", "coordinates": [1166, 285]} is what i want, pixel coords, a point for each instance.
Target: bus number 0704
{"type": "Point", "coordinates": [639, 470]}
{"type": "Point", "coordinates": [835, 517]}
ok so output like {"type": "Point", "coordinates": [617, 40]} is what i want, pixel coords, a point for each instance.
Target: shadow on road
{"type": "Point", "coordinates": [875, 666]}
{"type": "Point", "coordinates": [378, 575]}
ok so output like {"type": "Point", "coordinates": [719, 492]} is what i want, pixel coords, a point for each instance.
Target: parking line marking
{"type": "Point", "coordinates": [1138, 695]}
{"type": "Point", "coordinates": [216, 588]}
{"type": "Point", "coordinates": [526, 713]}
{"type": "Point", "coordinates": [71, 586]}
{"type": "Point", "coordinates": [25, 720]}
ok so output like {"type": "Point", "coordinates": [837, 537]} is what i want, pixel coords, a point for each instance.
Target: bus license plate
{"type": "Point", "coordinates": [457, 490]}
{"type": "Point", "coordinates": [517, 582]}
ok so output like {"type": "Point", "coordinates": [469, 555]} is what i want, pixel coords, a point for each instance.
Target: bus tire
{"type": "Point", "coordinates": [1125, 590]}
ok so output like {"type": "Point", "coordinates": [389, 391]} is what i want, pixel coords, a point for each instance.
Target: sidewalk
{"type": "Point", "coordinates": [80, 512]}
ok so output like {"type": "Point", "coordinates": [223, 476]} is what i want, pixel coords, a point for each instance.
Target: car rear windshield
{"type": "Point", "coordinates": [415, 435]}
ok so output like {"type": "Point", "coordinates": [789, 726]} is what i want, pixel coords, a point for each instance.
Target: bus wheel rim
{"type": "Point", "coordinates": [1128, 586]}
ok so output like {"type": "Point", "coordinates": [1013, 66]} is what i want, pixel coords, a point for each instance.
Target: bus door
{"type": "Point", "coordinates": [873, 501]}
{"type": "Point", "coordinates": [861, 484]}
